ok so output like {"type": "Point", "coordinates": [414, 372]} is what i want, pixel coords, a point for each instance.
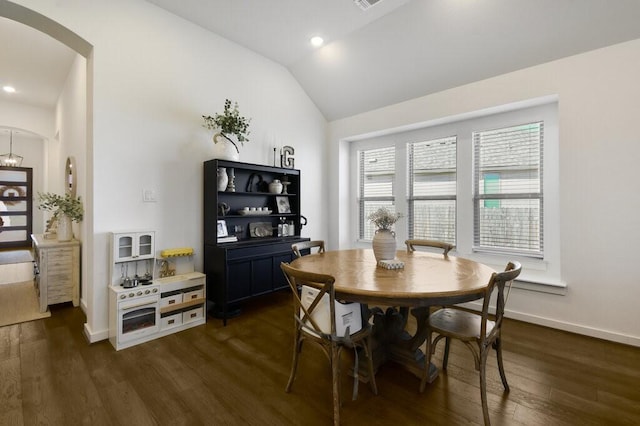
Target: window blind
{"type": "Point", "coordinates": [376, 180]}
{"type": "Point", "coordinates": [432, 189]}
{"type": "Point", "coordinates": [508, 197]}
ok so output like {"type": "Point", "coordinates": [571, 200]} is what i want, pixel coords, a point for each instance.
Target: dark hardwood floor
{"type": "Point", "coordinates": [235, 375]}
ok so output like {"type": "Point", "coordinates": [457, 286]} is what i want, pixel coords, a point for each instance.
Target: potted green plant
{"type": "Point", "coordinates": [232, 129]}
{"type": "Point", "coordinates": [384, 240]}
{"type": "Point", "coordinates": [65, 209]}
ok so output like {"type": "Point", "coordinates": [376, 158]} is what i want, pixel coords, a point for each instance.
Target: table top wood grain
{"type": "Point", "coordinates": [426, 279]}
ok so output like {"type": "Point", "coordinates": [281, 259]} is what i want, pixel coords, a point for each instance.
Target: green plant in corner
{"type": "Point", "coordinates": [383, 218]}
{"type": "Point", "coordinates": [61, 205]}
{"type": "Point", "coordinates": [229, 123]}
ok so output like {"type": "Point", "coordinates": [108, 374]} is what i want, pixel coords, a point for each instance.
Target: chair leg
{"type": "Point", "coordinates": [483, 387]}
{"type": "Point", "coordinates": [297, 347]}
{"type": "Point", "coordinates": [445, 360]}
{"type": "Point", "coordinates": [372, 376]}
{"type": "Point", "coordinates": [498, 347]}
{"type": "Point", "coordinates": [335, 378]}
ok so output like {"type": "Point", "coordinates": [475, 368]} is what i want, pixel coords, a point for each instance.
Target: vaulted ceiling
{"type": "Point", "coordinates": [395, 51]}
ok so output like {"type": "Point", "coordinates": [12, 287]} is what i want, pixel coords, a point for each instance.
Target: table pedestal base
{"type": "Point", "coordinates": [391, 342]}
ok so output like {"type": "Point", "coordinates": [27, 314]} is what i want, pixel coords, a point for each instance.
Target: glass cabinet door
{"type": "Point", "coordinates": [125, 247]}
{"type": "Point", "coordinates": [145, 245]}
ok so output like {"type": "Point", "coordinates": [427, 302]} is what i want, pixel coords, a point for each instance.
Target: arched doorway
{"type": "Point", "coordinates": [57, 157]}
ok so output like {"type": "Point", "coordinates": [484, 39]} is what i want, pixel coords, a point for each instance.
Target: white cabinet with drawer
{"type": "Point", "coordinates": [182, 301]}
{"type": "Point", "coordinates": [58, 266]}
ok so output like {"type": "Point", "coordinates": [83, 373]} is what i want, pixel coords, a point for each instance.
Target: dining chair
{"type": "Point", "coordinates": [411, 247]}
{"type": "Point", "coordinates": [479, 331]}
{"type": "Point", "coordinates": [412, 244]}
{"type": "Point", "coordinates": [323, 320]}
{"type": "Point", "coordinates": [307, 245]}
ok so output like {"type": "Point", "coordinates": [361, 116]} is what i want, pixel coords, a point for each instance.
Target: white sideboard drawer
{"type": "Point", "coordinates": [192, 295]}
{"type": "Point", "coordinates": [171, 300]}
{"type": "Point", "coordinates": [170, 321]}
{"type": "Point", "coordinates": [192, 315]}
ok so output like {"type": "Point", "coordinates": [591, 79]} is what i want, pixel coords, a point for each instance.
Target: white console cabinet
{"type": "Point", "coordinates": [143, 303]}
{"type": "Point", "coordinates": [58, 271]}
{"type": "Point", "coordinates": [147, 312]}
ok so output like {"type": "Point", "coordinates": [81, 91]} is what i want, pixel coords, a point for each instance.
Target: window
{"type": "Point", "coordinates": [508, 197]}
{"type": "Point", "coordinates": [432, 189]}
{"type": "Point", "coordinates": [486, 182]}
{"type": "Point", "coordinates": [376, 185]}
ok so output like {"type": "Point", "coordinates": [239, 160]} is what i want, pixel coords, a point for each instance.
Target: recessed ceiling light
{"type": "Point", "coordinates": [317, 41]}
{"type": "Point", "coordinates": [8, 89]}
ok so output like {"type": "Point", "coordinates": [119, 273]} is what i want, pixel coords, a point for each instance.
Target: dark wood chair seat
{"type": "Point", "coordinates": [459, 324]}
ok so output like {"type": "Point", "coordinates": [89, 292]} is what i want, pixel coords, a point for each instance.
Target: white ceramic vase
{"type": "Point", "coordinates": [223, 179]}
{"type": "Point", "coordinates": [223, 149]}
{"type": "Point", "coordinates": [275, 187]}
{"type": "Point", "coordinates": [65, 230]}
{"type": "Point", "coordinates": [384, 244]}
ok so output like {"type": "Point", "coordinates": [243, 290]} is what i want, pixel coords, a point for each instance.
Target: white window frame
{"type": "Point", "coordinates": [537, 271]}
{"type": "Point", "coordinates": [414, 199]}
{"type": "Point", "coordinates": [362, 199]}
{"type": "Point", "coordinates": [522, 195]}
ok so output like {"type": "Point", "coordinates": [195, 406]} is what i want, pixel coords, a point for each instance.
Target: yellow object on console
{"type": "Point", "coordinates": [175, 252]}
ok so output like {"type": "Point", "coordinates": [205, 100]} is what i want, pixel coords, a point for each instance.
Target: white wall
{"type": "Point", "coordinates": [34, 119]}
{"type": "Point", "coordinates": [154, 75]}
{"type": "Point", "coordinates": [71, 140]}
{"type": "Point", "coordinates": [599, 107]}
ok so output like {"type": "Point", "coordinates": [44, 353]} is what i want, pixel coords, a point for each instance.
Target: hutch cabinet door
{"type": "Point", "coordinates": [278, 278]}
{"type": "Point", "coordinates": [239, 281]}
{"type": "Point", "coordinates": [262, 271]}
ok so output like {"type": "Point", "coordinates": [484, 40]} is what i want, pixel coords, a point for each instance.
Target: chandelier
{"type": "Point", "coordinates": [11, 159]}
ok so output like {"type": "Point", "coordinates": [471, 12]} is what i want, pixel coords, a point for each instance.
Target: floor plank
{"type": "Point", "coordinates": [235, 375]}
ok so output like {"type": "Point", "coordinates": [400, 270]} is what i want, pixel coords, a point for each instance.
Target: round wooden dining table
{"type": "Point", "coordinates": [426, 279]}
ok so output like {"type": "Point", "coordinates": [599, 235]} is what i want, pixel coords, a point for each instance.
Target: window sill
{"type": "Point", "coordinates": [536, 275]}
{"type": "Point", "coordinates": [541, 286]}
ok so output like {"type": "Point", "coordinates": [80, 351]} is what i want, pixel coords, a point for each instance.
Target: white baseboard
{"type": "Point", "coordinates": [567, 326]}
{"type": "Point", "coordinates": [576, 328]}
{"type": "Point", "coordinates": [92, 336]}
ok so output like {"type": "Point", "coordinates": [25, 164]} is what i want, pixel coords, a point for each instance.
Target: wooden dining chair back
{"type": "Point", "coordinates": [307, 245]}
{"type": "Point", "coordinates": [412, 244]}
{"type": "Point", "coordinates": [316, 320]}
{"type": "Point", "coordinates": [479, 331]}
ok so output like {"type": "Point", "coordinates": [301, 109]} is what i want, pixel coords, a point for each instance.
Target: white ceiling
{"type": "Point", "coordinates": [32, 62]}
{"type": "Point", "coordinates": [395, 51]}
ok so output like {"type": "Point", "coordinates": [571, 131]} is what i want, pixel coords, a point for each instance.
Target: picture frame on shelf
{"type": "Point", "coordinates": [283, 205]}
{"type": "Point", "coordinates": [222, 229]}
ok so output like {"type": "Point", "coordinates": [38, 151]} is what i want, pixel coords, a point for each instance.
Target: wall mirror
{"type": "Point", "coordinates": [70, 176]}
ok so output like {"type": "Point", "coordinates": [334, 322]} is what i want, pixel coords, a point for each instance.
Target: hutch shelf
{"type": "Point", "coordinates": [247, 264]}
